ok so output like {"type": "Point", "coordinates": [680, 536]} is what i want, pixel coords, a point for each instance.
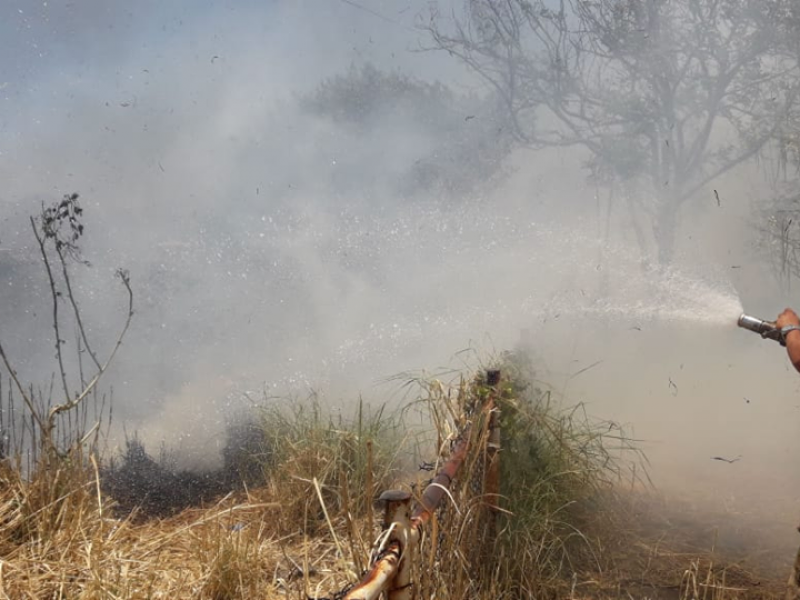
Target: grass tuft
{"type": "Point", "coordinates": [323, 462]}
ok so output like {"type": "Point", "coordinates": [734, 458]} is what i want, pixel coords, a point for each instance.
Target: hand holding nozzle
{"type": "Point", "coordinates": [767, 329]}
{"type": "Point", "coordinates": [776, 330]}
{"type": "Point", "coordinates": [782, 330]}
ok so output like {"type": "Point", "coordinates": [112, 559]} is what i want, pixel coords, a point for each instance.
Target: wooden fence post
{"type": "Point", "coordinates": [492, 459]}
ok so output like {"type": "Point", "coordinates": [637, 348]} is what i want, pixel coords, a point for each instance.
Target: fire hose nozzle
{"type": "Point", "coordinates": [766, 329]}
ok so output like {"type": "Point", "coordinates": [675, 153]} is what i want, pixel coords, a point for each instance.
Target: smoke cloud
{"type": "Point", "coordinates": [277, 249]}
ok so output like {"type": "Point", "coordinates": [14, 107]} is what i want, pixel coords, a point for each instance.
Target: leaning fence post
{"type": "Point", "coordinates": [492, 481]}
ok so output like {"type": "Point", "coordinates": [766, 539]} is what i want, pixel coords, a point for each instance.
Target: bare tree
{"type": "Point", "coordinates": [777, 216]}
{"type": "Point", "coordinates": [665, 95]}
{"type": "Point", "coordinates": [57, 231]}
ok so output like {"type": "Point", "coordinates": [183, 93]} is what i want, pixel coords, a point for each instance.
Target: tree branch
{"type": "Point", "coordinates": [72, 403]}
{"type": "Point", "coordinates": [76, 312]}
{"type": "Point", "coordinates": [55, 295]}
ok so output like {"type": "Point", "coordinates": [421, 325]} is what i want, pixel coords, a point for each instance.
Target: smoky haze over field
{"type": "Point", "coordinates": [277, 242]}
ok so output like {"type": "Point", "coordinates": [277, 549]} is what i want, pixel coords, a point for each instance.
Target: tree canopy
{"type": "Point", "coordinates": [663, 95]}
{"type": "Point", "coordinates": [454, 142]}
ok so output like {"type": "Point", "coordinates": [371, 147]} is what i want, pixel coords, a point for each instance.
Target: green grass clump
{"type": "Point", "coordinates": [560, 470]}
{"type": "Point", "coordinates": [557, 470]}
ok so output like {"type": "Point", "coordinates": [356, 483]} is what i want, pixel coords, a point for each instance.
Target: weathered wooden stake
{"type": "Point", "coordinates": [492, 472]}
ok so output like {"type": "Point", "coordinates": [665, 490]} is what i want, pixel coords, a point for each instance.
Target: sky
{"type": "Point", "coordinates": [271, 252]}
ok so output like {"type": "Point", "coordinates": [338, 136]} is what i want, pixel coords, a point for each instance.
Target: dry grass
{"type": "Point", "coordinates": [307, 533]}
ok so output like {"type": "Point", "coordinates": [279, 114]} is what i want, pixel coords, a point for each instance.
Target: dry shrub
{"type": "Point", "coordinates": [153, 487]}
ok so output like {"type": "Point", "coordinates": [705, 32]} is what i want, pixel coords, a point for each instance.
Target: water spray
{"type": "Point", "coordinates": [766, 329]}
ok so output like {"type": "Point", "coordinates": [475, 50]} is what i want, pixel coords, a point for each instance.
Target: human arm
{"type": "Point", "coordinates": [792, 338]}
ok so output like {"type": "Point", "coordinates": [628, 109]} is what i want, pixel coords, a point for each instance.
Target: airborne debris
{"type": "Point", "coordinates": [727, 460]}
{"type": "Point", "coordinates": [583, 370]}
{"type": "Point", "coordinates": [716, 195]}
{"type": "Point", "coordinates": [673, 387]}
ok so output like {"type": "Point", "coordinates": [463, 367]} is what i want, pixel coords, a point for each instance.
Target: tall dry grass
{"type": "Point", "coordinates": [558, 470]}
{"type": "Point", "coordinates": [308, 531]}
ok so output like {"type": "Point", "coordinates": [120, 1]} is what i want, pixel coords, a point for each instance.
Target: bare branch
{"type": "Point", "coordinates": [75, 311]}
{"type": "Point", "coordinates": [72, 403]}
{"type": "Point", "coordinates": [55, 294]}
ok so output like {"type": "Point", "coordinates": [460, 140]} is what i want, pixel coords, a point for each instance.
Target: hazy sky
{"type": "Point", "coordinates": [75, 71]}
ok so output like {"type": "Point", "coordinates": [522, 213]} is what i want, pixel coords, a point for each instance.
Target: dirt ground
{"type": "Point", "coordinates": [689, 547]}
